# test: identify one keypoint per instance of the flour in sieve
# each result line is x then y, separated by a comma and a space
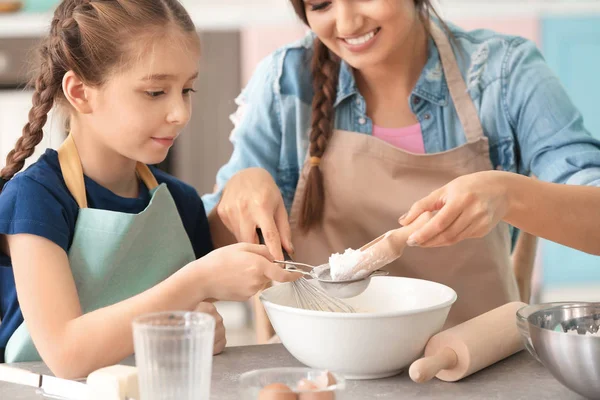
342, 265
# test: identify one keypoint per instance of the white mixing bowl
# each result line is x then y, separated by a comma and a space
396, 318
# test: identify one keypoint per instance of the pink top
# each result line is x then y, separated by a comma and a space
409, 138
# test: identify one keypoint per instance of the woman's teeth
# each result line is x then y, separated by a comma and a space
361, 39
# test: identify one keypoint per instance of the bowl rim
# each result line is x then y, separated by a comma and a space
547, 331
374, 315
549, 305
534, 326
340, 381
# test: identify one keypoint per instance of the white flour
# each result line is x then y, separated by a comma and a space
342, 265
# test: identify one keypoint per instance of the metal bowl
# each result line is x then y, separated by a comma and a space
566, 339
525, 312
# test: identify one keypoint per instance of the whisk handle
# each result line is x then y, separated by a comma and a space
286, 256
261, 240
293, 266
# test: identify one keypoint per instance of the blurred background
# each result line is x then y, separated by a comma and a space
237, 34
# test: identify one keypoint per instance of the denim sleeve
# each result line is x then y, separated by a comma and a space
553, 143
256, 135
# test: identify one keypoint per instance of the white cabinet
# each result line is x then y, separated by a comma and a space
14, 108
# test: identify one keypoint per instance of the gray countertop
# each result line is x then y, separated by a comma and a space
518, 377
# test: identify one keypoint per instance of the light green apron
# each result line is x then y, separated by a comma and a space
115, 255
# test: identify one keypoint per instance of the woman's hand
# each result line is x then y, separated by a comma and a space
220, 340
251, 200
468, 207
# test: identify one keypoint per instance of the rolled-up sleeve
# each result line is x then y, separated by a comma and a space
257, 131
553, 143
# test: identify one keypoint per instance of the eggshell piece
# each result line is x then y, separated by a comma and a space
325, 380
306, 385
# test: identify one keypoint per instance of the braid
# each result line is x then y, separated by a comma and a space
47, 86
325, 72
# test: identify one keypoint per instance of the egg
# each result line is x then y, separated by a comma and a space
322, 395
277, 391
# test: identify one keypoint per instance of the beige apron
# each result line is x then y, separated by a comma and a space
369, 184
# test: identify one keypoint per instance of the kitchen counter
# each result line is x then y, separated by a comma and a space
518, 377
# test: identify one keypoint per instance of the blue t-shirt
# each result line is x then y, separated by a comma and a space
37, 202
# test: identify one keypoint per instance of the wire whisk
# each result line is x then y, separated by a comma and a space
312, 297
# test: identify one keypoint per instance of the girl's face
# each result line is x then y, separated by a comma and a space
363, 33
139, 112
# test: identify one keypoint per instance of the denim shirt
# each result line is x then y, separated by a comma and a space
532, 125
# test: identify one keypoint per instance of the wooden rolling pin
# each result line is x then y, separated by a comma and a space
471, 346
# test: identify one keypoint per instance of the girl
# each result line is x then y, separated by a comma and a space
394, 106
92, 235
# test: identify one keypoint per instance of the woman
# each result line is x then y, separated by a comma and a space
398, 107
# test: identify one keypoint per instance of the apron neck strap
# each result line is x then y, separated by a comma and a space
467, 113
70, 165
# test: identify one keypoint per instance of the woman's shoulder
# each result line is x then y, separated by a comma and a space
485, 55
298, 51
286, 70
475, 41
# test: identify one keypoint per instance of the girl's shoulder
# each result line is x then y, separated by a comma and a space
37, 201
45, 172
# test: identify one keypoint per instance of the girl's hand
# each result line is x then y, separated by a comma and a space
468, 207
239, 271
220, 340
251, 200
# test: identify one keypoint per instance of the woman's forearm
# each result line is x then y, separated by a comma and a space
566, 214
